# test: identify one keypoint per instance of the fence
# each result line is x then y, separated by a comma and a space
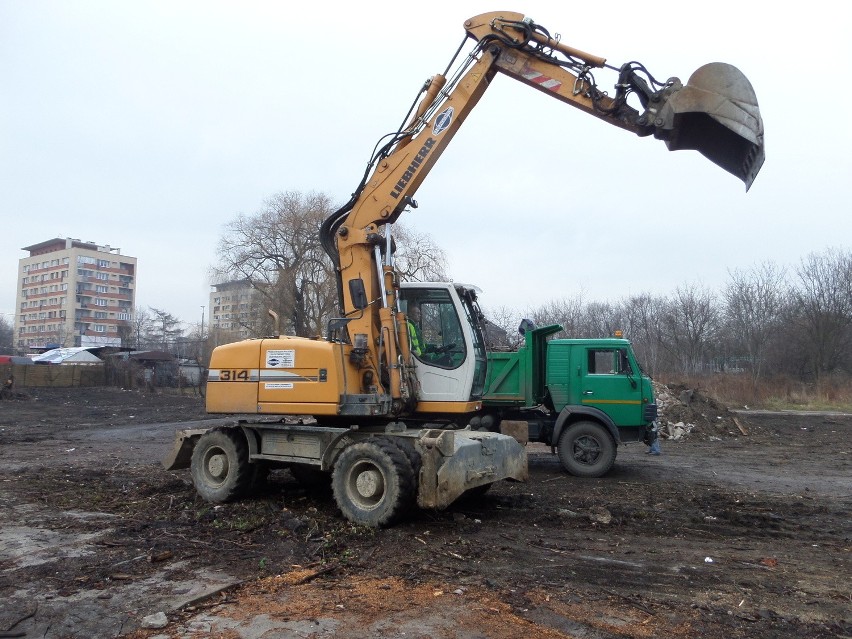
64, 375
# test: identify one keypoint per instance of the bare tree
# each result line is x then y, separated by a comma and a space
7, 334
821, 310
600, 319
690, 324
501, 332
418, 258
140, 327
754, 301
642, 326
163, 330
565, 311
278, 250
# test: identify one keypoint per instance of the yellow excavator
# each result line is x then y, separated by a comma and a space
390, 425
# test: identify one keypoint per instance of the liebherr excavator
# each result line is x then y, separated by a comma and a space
393, 429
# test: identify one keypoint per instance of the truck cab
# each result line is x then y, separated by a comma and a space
582, 397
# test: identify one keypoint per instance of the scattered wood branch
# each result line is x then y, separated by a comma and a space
317, 573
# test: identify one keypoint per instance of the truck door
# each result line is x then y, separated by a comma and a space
610, 384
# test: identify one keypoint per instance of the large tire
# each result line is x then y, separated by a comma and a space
586, 449
406, 445
373, 483
220, 465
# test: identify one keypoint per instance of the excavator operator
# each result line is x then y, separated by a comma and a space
415, 336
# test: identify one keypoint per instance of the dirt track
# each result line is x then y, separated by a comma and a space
747, 536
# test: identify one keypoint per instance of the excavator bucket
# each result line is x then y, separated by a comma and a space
716, 114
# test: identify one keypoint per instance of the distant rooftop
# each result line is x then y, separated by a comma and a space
60, 244
233, 284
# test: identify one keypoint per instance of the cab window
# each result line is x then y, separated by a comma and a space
439, 337
609, 361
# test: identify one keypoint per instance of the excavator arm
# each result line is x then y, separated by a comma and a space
715, 113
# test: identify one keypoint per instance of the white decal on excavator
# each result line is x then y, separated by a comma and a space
281, 358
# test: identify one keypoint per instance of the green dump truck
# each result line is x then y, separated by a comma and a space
582, 397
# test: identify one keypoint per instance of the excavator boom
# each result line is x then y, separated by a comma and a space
715, 113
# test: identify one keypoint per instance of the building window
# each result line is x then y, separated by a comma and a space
100, 302
100, 328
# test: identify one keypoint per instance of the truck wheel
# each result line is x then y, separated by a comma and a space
373, 483
220, 466
586, 449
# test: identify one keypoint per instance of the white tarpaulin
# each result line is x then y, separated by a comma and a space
76, 355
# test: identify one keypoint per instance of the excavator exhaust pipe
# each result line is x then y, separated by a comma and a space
716, 114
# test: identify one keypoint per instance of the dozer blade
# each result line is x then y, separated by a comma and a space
716, 114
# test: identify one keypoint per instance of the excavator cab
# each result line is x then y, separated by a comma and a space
446, 342
716, 114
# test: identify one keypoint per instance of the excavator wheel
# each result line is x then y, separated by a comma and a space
410, 451
373, 483
586, 449
220, 466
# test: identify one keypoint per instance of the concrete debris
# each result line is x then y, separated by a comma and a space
688, 412
156, 621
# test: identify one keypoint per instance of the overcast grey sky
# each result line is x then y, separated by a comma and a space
150, 125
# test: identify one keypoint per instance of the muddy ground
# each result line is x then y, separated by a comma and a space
725, 535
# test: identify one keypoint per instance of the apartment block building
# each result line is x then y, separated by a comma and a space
234, 310
74, 293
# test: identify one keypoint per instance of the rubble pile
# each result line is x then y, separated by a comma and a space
685, 411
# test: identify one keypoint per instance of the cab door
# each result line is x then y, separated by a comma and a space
610, 384
446, 362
